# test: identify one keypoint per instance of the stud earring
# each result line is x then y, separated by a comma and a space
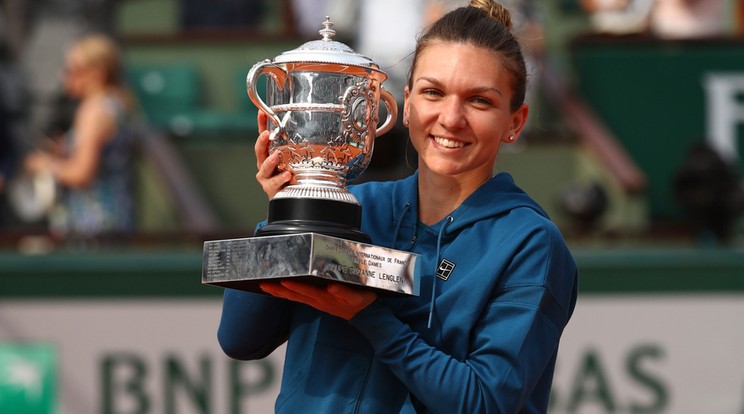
511, 138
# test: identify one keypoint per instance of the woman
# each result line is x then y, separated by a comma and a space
93, 165
498, 282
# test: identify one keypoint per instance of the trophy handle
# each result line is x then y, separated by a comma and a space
268, 68
392, 112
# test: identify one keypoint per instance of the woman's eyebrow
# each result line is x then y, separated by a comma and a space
475, 90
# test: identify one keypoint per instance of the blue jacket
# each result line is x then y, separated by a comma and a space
487, 343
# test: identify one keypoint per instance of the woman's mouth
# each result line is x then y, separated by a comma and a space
448, 143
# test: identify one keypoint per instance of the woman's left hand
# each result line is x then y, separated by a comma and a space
38, 162
336, 299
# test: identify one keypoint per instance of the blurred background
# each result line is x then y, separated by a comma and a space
634, 147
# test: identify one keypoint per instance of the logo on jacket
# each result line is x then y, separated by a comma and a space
445, 269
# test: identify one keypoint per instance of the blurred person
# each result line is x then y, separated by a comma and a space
483, 335
8, 160
7, 143
92, 163
618, 16
13, 100
7, 151
674, 19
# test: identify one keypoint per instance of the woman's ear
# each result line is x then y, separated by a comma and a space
406, 112
518, 121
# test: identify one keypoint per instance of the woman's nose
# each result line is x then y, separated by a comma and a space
452, 115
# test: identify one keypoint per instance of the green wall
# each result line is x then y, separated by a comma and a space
650, 94
178, 273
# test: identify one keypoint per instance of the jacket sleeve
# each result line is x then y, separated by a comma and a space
513, 346
252, 325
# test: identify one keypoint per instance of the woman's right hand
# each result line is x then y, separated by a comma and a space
270, 179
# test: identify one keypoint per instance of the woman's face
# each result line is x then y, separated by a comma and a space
78, 75
458, 109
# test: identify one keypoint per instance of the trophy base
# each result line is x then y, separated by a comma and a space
311, 215
243, 264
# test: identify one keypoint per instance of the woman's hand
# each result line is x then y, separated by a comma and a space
270, 179
336, 299
38, 162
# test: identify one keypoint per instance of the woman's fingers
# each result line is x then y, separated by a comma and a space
262, 142
262, 119
267, 176
262, 148
334, 299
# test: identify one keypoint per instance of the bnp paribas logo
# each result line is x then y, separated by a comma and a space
28, 374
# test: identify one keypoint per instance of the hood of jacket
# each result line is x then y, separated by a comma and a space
497, 196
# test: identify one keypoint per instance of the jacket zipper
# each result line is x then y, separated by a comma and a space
358, 405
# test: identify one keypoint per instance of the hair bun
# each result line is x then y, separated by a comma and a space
494, 10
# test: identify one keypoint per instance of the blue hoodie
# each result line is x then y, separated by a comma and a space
503, 285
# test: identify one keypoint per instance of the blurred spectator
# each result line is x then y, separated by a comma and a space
7, 151
92, 162
8, 155
710, 191
13, 102
687, 18
618, 16
221, 14
662, 18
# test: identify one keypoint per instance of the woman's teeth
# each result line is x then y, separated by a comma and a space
447, 143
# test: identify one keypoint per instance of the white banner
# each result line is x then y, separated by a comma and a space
142, 356
620, 354
679, 354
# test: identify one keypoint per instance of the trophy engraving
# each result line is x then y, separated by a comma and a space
322, 101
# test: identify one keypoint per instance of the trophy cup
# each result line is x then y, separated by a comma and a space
322, 101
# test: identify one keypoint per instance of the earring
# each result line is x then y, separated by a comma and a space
405, 122
511, 138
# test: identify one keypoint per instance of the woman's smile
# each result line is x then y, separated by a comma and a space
448, 143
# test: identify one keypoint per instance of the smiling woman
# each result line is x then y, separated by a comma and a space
458, 119
499, 282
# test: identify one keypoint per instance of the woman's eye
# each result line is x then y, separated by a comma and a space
431, 92
482, 101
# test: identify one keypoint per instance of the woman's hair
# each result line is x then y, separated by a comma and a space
100, 52
486, 24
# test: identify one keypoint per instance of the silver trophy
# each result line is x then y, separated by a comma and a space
323, 101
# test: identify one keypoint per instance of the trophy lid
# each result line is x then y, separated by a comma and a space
326, 50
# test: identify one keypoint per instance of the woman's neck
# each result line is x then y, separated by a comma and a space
94, 90
440, 195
